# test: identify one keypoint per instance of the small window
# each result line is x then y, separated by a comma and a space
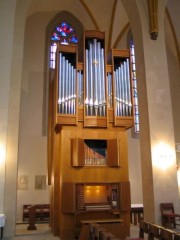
64, 34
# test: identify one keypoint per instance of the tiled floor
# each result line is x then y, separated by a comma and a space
43, 232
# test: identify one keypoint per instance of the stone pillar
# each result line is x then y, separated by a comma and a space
6, 32
12, 16
157, 144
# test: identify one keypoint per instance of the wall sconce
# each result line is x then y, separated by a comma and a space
163, 156
2, 153
178, 175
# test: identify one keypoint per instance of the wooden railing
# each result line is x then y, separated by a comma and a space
136, 213
96, 231
42, 212
154, 231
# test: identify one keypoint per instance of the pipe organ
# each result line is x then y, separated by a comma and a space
90, 108
96, 92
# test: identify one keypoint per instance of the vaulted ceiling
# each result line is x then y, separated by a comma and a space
105, 15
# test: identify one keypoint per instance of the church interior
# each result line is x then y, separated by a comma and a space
89, 126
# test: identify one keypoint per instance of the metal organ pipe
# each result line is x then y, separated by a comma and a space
87, 81
122, 89
60, 82
129, 90
90, 82
74, 91
125, 89
119, 91
109, 87
99, 82
95, 88
95, 67
63, 83
67, 86
95, 80
103, 82
80, 88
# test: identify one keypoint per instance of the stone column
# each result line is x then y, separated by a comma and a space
7, 15
159, 173
12, 16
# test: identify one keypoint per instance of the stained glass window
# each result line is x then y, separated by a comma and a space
134, 81
64, 34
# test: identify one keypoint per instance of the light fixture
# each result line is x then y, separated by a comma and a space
2, 153
178, 175
163, 156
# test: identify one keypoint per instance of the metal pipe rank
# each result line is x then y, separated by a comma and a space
122, 90
95, 100
66, 86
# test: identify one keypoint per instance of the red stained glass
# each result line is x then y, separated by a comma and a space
64, 34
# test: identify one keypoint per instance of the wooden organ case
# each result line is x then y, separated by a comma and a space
90, 109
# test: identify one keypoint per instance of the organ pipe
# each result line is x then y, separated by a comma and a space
66, 86
91, 88
109, 88
95, 100
80, 88
122, 86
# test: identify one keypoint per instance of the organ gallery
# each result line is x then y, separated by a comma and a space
91, 107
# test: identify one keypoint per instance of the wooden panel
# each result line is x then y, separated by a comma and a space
68, 197
124, 121
124, 53
66, 119
80, 66
120, 53
125, 199
77, 152
109, 68
93, 121
112, 152
86, 174
67, 48
80, 114
96, 194
94, 34
110, 114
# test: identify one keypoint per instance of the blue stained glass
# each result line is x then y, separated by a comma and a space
74, 39
55, 37
58, 29
67, 32
64, 28
64, 34
64, 41
136, 111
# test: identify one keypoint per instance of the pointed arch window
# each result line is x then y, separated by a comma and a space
134, 81
64, 34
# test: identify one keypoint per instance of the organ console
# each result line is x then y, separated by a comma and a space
97, 89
